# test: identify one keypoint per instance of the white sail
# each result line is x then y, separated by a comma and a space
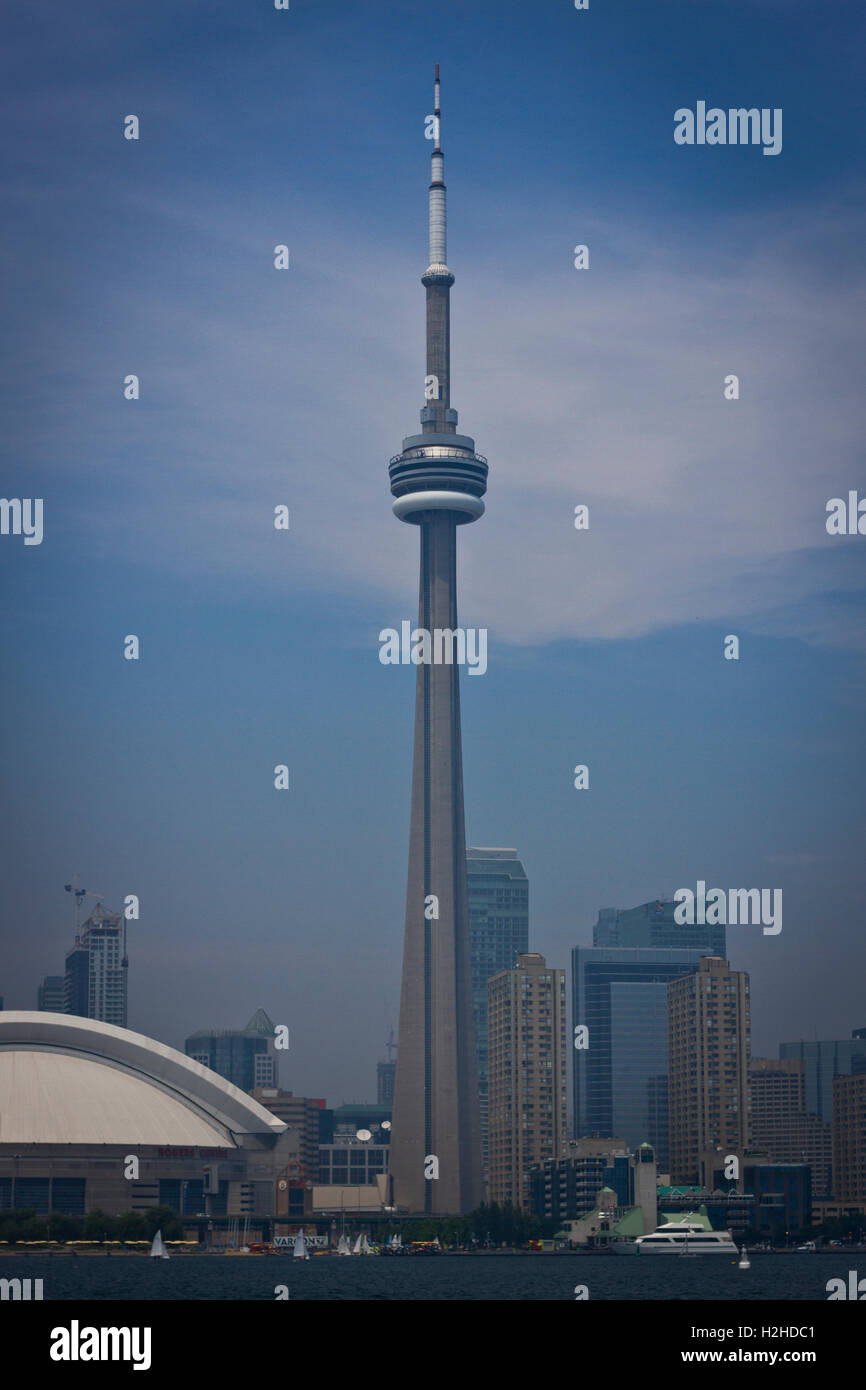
158, 1249
300, 1250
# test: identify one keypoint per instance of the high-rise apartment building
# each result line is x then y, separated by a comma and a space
782, 1126
709, 1045
849, 1138
95, 983
527, 1117
498, 934
247, 1057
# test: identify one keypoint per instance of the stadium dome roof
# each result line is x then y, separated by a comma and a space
68, 1080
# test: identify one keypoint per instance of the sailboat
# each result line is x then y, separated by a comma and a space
157, 1249
744, 1261
356, 1248
686, 1253
343, 1246
300, 1251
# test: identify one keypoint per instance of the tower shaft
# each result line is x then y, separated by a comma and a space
436, 1090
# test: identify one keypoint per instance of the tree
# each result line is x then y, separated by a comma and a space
98, 1226
131, 1226
62, 1227
163, 1219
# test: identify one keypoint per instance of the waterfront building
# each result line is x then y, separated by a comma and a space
709, 1043
202, 1146
528, 1097
781, 1124
849, 1139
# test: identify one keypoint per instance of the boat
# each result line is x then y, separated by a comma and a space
343, 1246
810, 1245
744, 1261
680, 1238
157, 1249
300, 1251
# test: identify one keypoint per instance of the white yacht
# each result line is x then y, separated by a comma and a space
679, 1237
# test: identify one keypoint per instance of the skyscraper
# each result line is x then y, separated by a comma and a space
385, 1074
528, 1114
96, 969
51, 995
437, 482
653, 924
498, 934
709, 1044
619, 993
246, 1057
823, 1061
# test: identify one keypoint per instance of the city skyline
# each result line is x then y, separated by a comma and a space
259, 648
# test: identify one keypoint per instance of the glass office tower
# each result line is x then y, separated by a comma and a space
498, 934
619, 992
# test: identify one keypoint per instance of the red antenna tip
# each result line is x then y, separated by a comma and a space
437, 72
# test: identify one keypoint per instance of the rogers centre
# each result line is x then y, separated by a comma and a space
79, 1099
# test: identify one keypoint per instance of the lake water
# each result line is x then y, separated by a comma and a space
454, 1278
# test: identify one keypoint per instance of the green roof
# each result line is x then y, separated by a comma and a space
631, 1224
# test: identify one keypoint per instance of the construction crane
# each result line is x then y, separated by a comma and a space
79, 894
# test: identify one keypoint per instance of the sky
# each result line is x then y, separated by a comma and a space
602, 387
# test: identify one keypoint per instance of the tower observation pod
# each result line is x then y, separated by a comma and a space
438, 469
437, 483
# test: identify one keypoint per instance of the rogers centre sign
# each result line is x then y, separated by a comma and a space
196, 1152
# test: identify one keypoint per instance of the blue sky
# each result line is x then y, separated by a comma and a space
258, 387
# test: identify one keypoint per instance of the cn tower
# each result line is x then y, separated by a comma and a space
437, 483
